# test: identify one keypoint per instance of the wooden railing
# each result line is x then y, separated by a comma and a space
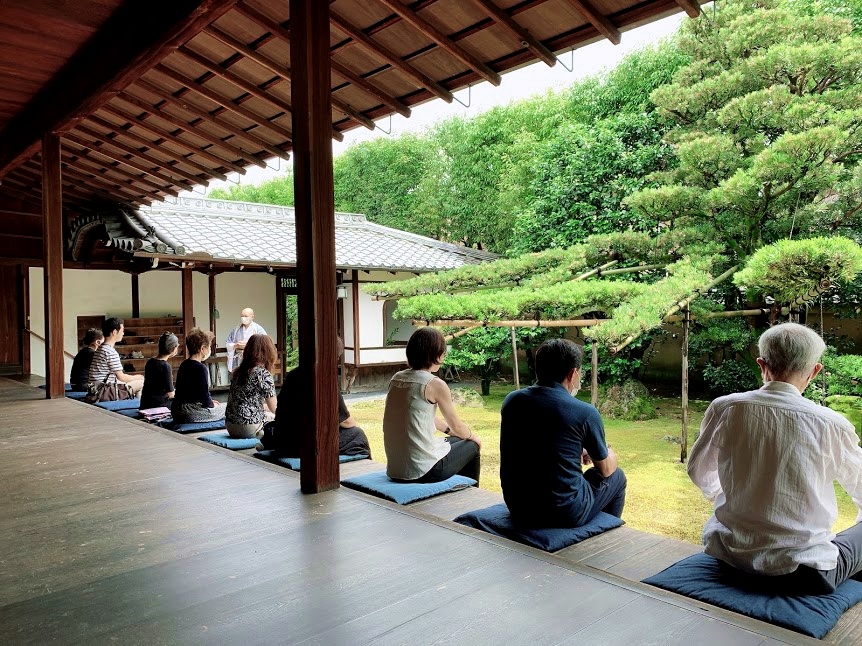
42, 339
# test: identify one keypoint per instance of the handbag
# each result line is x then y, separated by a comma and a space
108, 392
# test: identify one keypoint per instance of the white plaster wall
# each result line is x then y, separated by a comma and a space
385, 355
85, 293
235, 291
370, 323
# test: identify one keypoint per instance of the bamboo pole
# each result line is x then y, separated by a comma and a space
455, 335
598, 270
515, 359
469, 323
594, 375
682, 304
683, 439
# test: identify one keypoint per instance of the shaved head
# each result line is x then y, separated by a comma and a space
247, 312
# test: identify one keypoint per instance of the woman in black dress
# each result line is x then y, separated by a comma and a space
158, 374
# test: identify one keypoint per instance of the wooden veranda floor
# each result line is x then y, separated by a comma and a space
113, 531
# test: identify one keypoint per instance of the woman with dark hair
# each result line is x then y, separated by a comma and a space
413, 453
192, 401
252, 402
79, 376
158, 374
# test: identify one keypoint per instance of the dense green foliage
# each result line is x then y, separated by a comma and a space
278, 191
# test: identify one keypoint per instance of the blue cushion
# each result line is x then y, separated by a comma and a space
378, 484
226, 441
702, 577
121, 404
76, 394
496, 520
128, 412
191, 427
293, 463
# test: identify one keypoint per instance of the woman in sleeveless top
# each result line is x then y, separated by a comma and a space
413, 452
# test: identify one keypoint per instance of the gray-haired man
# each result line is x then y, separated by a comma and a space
768, 459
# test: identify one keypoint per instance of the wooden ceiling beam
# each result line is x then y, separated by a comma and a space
340, 69
107, 184
200, 133
71, 191
280, 32
139, 122
227, 103
390, 57
522, 35
691, 7
442, 40
597, 20
89, 164
202, 114
19, 194
99, 148
115, 131
133, 38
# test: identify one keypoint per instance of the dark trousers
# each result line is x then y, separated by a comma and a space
462, 459
609, 494
807, 580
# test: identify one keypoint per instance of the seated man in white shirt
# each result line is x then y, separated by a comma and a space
768, 459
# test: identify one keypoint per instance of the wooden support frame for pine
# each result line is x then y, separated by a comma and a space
683, 437
517, 377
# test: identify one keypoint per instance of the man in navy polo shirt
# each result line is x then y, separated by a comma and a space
546, 436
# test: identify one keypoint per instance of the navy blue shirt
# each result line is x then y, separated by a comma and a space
542, 434
193, 385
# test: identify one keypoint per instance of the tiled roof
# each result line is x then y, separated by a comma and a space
265, 234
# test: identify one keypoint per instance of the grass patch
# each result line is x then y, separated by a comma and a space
660, 498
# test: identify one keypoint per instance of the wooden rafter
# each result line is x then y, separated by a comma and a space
369, 88
107, 183
390, 57
203, 115
442, 40
135, 36
183, 125
691, 7
516, 30
280, 32
142, 123
597, 20
89, 164
94, 147
112, 139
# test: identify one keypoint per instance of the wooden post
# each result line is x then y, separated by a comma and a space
315, 242
515, 359
683, 438
136, 297
52, 254
355, 303
594, 375
24, 313
279, 323
188, 301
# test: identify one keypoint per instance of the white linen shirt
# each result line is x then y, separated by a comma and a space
768, 459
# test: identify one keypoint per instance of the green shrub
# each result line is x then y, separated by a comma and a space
850, 407
844, 374
729, 377
629, 401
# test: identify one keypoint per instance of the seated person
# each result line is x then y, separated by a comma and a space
192, 402
106, 366
546, 435
252, 402
283, 436
768, 459
158, 374
79, 377
413, 453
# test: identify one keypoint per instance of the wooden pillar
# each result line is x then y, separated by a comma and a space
212, 305
24, 314
52, 254
594, 375
683, 438
515, 359
136, 297
188, 301
315, 242
279, 324
355, 302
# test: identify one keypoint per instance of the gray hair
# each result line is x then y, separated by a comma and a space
790, 349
